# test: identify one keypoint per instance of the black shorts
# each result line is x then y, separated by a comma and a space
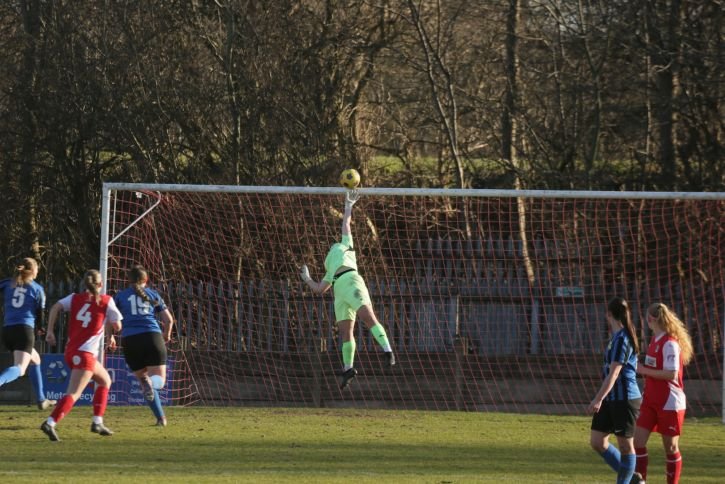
145, 349
19, 337
617, 417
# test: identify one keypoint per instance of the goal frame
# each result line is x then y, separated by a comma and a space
108, 187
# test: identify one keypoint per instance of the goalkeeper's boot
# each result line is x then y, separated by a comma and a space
390, 356
347, 376
100, 429
46, 404
161, 422
147, 389
50, 432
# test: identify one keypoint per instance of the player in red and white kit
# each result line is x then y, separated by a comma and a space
88, 312
664, 402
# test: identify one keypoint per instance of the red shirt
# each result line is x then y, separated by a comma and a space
85, 321
663, 353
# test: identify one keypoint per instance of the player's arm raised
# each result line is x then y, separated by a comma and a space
317, 287
351, 197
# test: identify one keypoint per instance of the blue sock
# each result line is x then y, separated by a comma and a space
157, 382
36, 379
626, 468
11, 373
611, 456
156, 405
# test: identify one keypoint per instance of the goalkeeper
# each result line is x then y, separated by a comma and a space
351, 295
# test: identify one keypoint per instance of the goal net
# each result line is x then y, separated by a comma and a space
492, 300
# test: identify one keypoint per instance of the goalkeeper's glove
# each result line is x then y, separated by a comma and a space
351, 197
305, 273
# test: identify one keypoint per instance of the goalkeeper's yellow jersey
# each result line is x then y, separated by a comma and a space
341, 254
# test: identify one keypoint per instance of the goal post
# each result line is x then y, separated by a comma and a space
492, 299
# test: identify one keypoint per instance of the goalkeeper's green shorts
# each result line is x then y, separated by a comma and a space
351, 293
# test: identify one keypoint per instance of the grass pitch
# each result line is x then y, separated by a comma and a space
277, 445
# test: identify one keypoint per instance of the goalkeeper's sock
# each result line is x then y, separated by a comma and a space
36, 380
348, 353
612, 457
381, 337
11, 373
155, 405
626, 468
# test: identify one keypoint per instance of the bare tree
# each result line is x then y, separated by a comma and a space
662, 31
30, 11
439, 77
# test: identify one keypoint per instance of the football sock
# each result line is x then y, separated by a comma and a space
36, 380
611, 456
157, 382
100, 400
9, 374
626, 468
381, 337
63, 408
673, 468
156, 405
642, 461
348, 353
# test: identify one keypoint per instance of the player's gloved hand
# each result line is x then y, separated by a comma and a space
305, 273
351, 197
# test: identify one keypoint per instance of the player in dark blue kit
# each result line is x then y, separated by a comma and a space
24, 299
143, 338
616, 404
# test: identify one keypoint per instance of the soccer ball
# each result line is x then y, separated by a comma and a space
350, 178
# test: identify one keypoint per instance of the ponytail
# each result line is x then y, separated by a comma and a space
25, 271
619, 309
92, 281
138, 276
139, 290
